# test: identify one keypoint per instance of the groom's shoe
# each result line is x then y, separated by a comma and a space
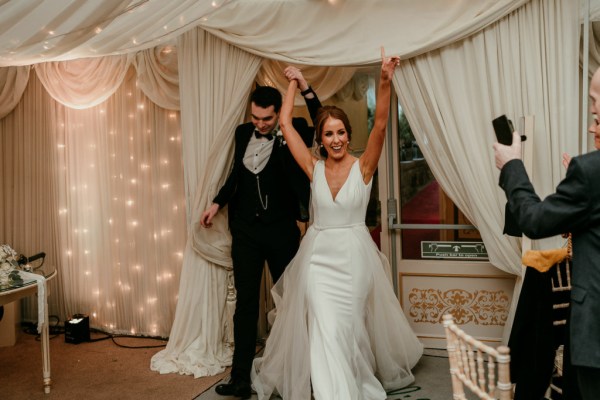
235, 388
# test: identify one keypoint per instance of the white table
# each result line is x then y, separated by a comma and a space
13, 294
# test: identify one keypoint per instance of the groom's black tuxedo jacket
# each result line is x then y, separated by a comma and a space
280, 192
575, 208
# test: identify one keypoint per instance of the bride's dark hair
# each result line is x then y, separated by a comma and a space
322, 115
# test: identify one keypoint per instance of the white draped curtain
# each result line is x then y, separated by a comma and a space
454, 131
95, 180
113, 191
13, 81
215, 80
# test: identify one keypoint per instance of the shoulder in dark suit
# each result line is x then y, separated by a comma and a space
298, 181
569, 209
575, 208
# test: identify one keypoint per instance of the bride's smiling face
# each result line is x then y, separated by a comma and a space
334, 138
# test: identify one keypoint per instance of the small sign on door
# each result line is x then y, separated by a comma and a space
460, 250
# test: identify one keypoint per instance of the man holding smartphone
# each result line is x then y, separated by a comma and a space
575, 208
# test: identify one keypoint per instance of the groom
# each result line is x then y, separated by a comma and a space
266, 192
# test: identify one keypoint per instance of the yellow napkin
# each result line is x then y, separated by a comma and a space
543, 260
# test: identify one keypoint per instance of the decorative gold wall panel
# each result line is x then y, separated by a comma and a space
481, 307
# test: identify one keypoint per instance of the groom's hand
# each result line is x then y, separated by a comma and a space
207, 216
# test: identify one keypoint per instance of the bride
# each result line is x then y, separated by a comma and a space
339, 327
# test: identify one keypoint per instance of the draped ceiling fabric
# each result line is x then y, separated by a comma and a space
351, 32
158, 75
36, 31
103, 75
446, 47
13, 82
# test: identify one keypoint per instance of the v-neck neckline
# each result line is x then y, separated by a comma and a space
334, 198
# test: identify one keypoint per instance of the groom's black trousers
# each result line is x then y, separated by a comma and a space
253, 244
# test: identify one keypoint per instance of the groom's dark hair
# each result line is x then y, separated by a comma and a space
266, 96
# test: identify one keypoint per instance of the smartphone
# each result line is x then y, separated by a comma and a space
504, 130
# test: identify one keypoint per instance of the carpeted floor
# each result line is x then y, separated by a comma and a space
103, 370
93, 371
424, 207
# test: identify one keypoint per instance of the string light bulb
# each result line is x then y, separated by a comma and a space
141, 163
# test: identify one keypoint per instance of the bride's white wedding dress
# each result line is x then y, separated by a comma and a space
339, 327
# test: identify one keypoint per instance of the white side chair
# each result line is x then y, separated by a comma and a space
481, 368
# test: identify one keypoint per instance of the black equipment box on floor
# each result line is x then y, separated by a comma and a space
77, 329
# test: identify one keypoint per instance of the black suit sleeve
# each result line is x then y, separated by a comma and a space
511, 226
227, 191
307, 133
313, 106
567, 210
297, 179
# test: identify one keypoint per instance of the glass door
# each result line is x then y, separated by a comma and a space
438, 259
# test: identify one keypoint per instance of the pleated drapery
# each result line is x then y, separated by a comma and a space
95, 180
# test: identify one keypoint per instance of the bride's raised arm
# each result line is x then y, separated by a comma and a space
295, 143
370, 158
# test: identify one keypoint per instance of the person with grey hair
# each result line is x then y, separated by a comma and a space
574, 207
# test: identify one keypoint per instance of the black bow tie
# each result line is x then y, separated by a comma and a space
259, 135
